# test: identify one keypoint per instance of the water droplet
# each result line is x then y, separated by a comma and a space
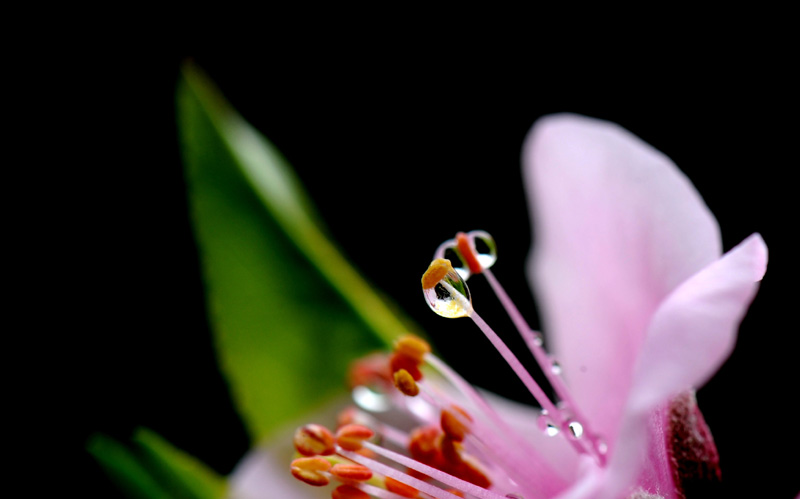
450, 296
544, 423
537, 339
448, 251
370, 400
575, 430
555, 368
485, 248
602, 446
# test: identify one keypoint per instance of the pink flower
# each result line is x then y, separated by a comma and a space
639, 306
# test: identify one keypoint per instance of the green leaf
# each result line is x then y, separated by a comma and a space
179, 470
288, 311
125, 468
155, 469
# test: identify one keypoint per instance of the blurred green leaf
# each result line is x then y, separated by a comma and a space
288, 311
154, 468
125, 468
177, 470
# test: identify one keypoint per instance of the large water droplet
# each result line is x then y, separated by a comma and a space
370, 400
450, 296
485, 248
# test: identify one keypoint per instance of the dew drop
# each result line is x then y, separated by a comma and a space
537, 339
555, 368
602, 446
370, 400
485, 248
448, 251
450, 297
575, 430
544, 423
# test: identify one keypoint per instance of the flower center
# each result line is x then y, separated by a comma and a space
448, 451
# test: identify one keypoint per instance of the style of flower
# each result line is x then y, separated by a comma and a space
640, 307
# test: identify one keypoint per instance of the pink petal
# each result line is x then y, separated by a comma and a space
617, 227
694, 330
691, 334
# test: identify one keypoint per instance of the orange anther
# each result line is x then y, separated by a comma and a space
466, 252
451, 451
308, 470
313, 439
472, 473
401, 361
348, 492
412, 346
372, 369
454, 422
351, 472
436, 272
350, 437
405, 383
400, 488
456, 492
422, 445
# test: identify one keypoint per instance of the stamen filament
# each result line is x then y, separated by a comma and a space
441, 476
524, 376
543, 359
379, 492
386, 470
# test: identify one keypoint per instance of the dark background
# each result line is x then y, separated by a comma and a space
399, 149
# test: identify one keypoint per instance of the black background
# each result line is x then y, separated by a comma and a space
400, 147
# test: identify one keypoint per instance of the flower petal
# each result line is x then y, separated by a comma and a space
694, 330
617, 227
691, 334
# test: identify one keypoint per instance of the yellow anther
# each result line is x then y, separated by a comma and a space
436, 272
313, 439
350, 437
351, 472
405, 383
309, 470
412, 346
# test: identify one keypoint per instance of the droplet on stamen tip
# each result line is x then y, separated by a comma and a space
445, 291
485, 247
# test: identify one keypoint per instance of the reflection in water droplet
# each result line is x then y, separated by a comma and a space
370, 400
450, 296
575, 430
555, 368
485, 247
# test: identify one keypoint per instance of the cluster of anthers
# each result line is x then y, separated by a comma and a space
450, 452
